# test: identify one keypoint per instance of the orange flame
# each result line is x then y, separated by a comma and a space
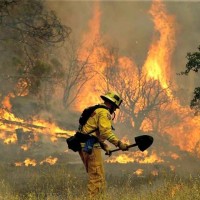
91, 51
50, 160
156, 66
186, 133
24, 147
158, 62
30, 162
139, 157
138, 172
9, 124
155, 172
6, 102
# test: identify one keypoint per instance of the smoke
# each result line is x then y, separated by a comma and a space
129, 26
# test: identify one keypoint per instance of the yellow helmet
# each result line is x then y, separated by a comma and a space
112, 97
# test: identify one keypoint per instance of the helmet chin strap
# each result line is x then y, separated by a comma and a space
113, 116
112, 112
112, 109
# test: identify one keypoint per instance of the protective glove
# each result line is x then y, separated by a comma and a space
122, 146
106, 148
108, 152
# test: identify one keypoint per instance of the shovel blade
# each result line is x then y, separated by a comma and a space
143, 142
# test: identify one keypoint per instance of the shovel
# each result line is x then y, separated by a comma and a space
143, 142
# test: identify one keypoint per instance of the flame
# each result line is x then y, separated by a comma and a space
90, 51
7, 131
10, 123
25, 147
9, 140
155, 172
158, 62
156, 66
138, 172
18, 164
50, 160
30, 162
175, 156
51, 128
153, 158
6, 101
188, 130
139, 157
123, 158
93, 50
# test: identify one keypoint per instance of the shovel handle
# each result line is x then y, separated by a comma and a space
129, 146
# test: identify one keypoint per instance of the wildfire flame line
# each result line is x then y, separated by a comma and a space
157, 66
32, 162
10, 123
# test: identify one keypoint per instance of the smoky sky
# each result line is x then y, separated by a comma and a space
130, 27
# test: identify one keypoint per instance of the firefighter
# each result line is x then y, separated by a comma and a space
101, 119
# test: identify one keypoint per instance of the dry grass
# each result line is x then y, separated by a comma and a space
61, 182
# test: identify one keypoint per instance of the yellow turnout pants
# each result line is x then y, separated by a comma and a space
94, 167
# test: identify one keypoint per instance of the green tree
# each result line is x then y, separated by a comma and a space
193, 64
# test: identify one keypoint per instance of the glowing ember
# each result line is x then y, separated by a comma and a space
24, 147
138, 172
175, 156
18, 164
154, 172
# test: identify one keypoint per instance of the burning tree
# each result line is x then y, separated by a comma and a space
143, 98
78, 70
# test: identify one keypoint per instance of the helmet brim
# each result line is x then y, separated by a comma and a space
109, 100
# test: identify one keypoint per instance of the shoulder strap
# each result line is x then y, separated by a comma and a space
92, 131
100, 106
96, 106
